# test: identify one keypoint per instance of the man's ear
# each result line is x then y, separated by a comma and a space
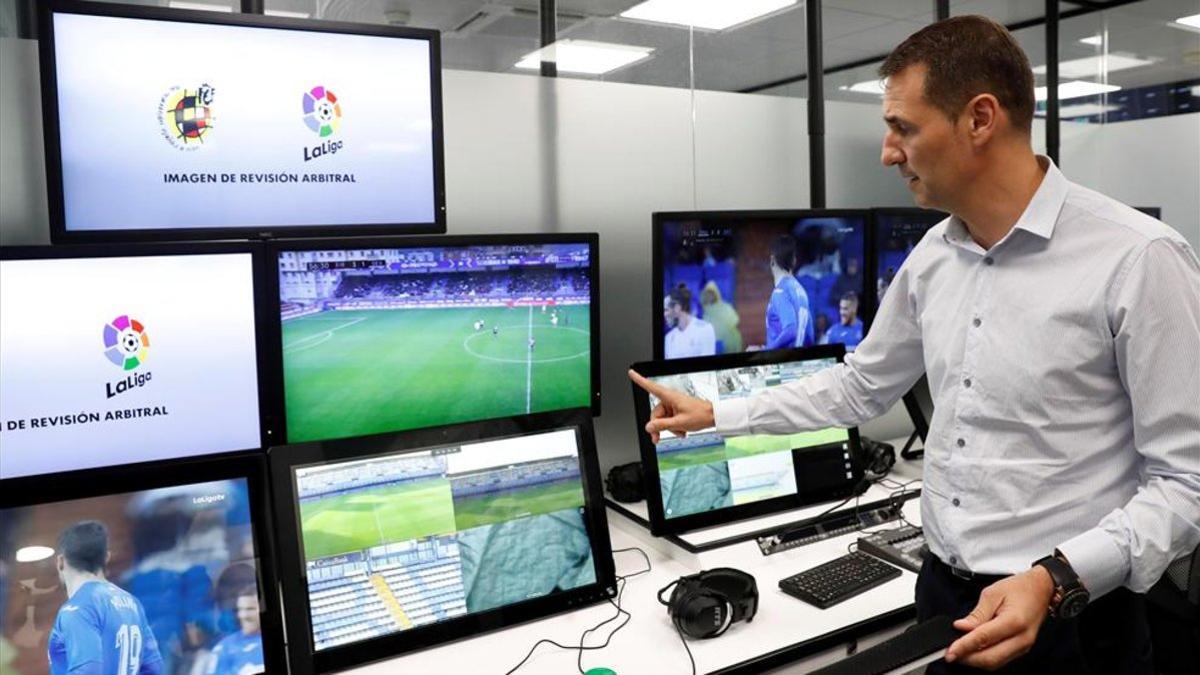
982, 117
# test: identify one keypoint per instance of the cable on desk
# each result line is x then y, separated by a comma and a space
622, 581
686, 647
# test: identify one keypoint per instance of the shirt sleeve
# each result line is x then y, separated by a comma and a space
80, 632
1154, 316
781, 306
885, 365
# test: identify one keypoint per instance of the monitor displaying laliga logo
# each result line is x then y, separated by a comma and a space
126, 342
186, 116
322, 114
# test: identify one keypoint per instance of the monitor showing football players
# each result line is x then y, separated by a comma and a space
897, 233
160, 581
125, 359
400, 541
188, 122
387, 339
739, 281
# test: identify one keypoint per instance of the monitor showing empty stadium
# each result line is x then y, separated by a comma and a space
428, 541
726, 282
706, 478
107, 576
897, 233
401, 334
169, 124
128, 355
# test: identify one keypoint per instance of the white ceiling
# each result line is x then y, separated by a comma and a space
492, 35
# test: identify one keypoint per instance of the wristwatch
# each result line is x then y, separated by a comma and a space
1070, 597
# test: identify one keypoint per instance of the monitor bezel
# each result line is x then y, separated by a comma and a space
660, 525
31, 491
873, 247
285, 460
659, 219
60, 234
274, 325
266, 395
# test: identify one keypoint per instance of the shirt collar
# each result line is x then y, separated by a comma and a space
1040, 215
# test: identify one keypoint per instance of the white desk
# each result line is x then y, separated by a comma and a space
785, 629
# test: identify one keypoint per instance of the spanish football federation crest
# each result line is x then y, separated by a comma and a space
186, 116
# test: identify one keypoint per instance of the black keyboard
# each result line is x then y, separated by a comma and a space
826, 585
919, 641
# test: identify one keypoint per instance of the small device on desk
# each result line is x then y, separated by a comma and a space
840, 579
834, 525
903, 546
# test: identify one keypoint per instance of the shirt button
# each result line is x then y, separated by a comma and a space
976, 323
967, 383
955, 501
961, 443
988, 261
953, 560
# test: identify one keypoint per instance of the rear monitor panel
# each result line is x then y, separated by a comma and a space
387, 335
408, 540
188, 585
126, 354
722, 259
705, 478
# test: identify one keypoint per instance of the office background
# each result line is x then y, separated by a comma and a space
707, 120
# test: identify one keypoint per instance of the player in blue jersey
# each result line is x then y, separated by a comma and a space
241, 653
849, 329
789, 322
101, 629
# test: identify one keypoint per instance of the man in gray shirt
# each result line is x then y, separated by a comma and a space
1060, 331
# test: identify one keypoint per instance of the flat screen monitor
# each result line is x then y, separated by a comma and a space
126, 354
897, 232
705, 478
387, 335
163, 569
407, 540
733, 281
170, 124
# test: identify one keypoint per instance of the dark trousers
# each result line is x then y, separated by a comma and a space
1110, 636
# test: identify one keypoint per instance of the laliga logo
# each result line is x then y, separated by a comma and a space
322, 114
186, 117
126, 346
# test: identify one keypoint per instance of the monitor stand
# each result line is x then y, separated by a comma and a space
908, 452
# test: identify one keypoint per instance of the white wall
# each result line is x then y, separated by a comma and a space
1151, 162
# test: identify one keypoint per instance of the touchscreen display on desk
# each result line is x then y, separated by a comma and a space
705, 478
705, 471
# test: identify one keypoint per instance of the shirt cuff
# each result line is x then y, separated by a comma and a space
1098, 561
732, 417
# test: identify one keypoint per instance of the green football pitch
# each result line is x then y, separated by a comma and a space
705, 454
359, 520
351, 373
746, 446
498, 507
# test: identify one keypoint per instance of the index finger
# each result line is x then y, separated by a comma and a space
656, 389
990, 633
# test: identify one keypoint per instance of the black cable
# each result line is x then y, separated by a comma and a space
685, 646
622, 581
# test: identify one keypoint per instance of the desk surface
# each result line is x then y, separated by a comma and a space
649, 643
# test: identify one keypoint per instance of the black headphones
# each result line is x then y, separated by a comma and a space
706, 604
624, 483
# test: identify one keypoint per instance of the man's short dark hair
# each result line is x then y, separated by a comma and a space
85, 546
965, 56
681, 295
851, 296
783, 252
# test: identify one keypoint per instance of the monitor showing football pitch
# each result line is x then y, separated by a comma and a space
446, 532
706, 478
402, 334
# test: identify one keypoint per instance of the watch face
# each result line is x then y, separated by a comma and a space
1072, 605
